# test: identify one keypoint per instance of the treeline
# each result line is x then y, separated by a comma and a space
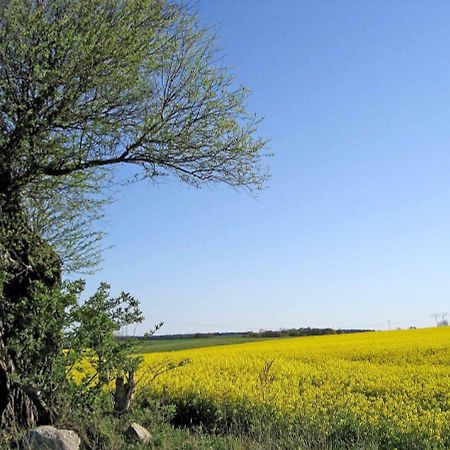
303, 332
191, 335
290, 332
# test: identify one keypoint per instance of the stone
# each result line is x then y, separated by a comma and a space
139, 432
50, 438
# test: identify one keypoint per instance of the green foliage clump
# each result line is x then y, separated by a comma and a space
90, 356
92, 347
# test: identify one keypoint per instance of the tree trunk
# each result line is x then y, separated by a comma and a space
24, 260
124, 392
17, 409
20, 407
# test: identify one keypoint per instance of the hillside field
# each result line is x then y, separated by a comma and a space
375, 390
170, 345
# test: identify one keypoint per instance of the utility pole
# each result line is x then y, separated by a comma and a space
440, 318
436, 317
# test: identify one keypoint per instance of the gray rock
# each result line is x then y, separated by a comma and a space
50, 438
139, 432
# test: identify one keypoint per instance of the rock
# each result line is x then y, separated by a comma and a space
139, 432
50, 438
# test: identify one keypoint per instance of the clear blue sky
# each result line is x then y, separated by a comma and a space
354, 227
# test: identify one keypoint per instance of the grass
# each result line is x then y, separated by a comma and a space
168, 438
172, 345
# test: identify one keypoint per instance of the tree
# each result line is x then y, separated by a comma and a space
87, 86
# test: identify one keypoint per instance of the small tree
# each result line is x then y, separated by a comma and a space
86, 86
93, 358
93, 349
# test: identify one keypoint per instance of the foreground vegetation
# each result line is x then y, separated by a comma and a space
381, 390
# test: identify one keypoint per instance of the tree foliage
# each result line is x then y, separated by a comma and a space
87, 84
92, 349
90, 358
66, 214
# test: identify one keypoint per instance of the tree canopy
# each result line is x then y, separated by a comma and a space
86, 85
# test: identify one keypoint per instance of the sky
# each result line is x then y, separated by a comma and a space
353, 228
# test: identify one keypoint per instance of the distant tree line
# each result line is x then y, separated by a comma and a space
303, 332
290, 332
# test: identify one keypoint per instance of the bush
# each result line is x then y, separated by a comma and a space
85, 357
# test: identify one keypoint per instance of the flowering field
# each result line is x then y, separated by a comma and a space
391, 389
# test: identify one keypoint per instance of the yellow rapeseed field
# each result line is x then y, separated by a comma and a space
389, 388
